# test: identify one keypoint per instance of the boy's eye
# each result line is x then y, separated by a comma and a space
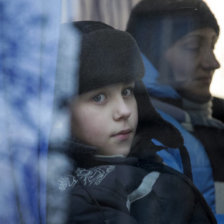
100, 98
127, 92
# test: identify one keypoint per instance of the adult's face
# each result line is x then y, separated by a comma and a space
193, 62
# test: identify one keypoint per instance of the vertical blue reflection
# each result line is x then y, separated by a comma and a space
29, 33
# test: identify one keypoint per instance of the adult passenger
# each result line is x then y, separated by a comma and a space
177, 39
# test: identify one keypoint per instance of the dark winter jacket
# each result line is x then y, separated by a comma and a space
218, 108
129, 190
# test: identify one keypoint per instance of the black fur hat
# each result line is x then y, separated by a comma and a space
157, 24
108, 56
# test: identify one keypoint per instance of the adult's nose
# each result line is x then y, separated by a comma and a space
210, 61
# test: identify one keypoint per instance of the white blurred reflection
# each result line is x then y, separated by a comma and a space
217, 86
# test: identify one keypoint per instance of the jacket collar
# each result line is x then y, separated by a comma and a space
86, 156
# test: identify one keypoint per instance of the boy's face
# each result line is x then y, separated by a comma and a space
106, 118
193, 63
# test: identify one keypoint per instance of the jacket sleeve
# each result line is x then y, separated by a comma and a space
171, 200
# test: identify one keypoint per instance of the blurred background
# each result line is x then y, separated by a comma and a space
116, 13
217, 87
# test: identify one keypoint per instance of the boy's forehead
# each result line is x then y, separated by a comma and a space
111, 87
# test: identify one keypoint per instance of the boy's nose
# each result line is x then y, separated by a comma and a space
210, 61
122, 111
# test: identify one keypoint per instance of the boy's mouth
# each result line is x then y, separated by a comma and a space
123, 134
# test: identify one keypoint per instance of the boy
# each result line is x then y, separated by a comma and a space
117, 177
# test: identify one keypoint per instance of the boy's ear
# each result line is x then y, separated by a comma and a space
151, 125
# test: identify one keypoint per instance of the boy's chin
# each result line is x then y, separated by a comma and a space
116, 151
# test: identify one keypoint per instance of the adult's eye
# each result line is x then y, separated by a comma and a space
194, 47
100, 98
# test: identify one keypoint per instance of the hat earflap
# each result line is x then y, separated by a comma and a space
152, 126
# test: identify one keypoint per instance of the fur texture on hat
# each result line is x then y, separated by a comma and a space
108, 56
157, 24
